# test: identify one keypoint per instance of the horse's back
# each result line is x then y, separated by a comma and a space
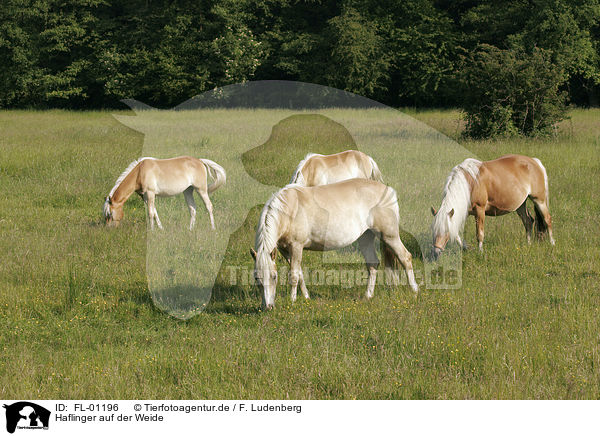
171, 176
509, 180
172, 165
517, 168
327, 169
348, 194
336, 215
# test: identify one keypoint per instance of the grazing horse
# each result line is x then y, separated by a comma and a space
324, 218
492, 188
318, 169
150, 177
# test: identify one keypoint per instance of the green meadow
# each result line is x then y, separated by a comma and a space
78, 301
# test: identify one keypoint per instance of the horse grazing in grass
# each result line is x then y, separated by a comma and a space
324, 218
318, 169
150, 177
492, 188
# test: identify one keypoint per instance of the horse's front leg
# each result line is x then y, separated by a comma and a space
479, 223
301, 281
462, 243
303, 286
296, 271
146, 198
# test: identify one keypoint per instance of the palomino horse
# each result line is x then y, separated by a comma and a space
318, 169
493, 188
324, 218
150, 177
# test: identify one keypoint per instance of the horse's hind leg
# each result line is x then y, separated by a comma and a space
543, 221
527, 219
150, 214
366, 245
404, 257
189, 199
204, 195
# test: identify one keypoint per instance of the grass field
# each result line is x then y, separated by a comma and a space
78, 319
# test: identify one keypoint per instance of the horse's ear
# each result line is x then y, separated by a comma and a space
253, 253
274, 254
451, 213
433, 211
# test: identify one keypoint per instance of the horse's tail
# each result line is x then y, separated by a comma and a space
540, 223
375, 172
217, 172
391, 263
539, 162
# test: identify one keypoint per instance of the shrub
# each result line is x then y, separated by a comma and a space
509, 92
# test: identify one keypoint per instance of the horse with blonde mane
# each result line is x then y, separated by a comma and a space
328, 217
492, 188
319, 169
150, 177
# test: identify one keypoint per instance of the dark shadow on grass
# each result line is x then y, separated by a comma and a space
181, 301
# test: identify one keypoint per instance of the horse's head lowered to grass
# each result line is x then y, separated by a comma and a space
265, 275
113, 213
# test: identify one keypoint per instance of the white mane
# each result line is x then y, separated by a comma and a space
298, 177
124, 174
268, 225
457, 196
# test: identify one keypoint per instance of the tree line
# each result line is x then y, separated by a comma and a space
93, 53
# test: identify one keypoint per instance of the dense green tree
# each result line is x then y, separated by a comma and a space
92, 53
358, 60
508, 92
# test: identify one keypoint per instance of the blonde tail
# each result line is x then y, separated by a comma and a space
217, 172
375, 173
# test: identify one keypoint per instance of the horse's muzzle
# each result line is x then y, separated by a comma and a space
435, 252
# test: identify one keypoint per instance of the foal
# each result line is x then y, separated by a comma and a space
150, 177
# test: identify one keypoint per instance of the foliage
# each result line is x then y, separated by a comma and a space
358, 60
92, 53
510, 92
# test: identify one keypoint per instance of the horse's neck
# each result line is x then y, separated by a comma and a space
127, 187
270, 236
275, 224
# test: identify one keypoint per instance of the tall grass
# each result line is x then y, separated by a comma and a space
78, 321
